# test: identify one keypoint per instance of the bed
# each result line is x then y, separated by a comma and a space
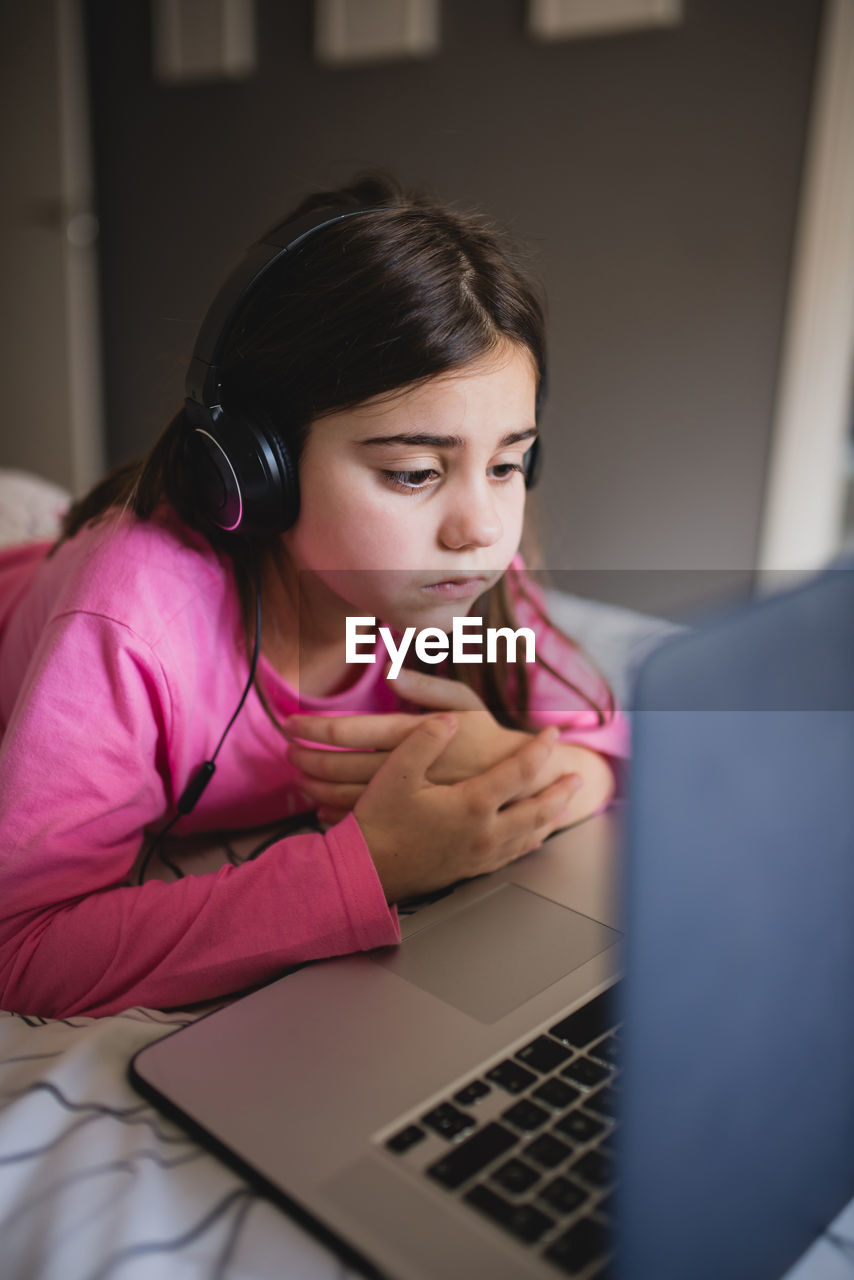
95, 1183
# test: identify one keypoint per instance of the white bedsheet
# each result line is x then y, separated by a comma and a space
95, 1183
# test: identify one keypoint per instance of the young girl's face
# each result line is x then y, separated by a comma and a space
412, 505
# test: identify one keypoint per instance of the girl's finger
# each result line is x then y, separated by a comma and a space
408, 765
383, 732
529, 821
333, 795
435, 691
336, 766
512, 777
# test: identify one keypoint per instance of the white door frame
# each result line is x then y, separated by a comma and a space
807, 468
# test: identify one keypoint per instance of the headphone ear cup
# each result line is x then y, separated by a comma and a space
215, 486
244, 478
284, 501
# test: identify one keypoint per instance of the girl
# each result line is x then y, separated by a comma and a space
356, 443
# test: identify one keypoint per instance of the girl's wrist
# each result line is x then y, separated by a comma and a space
598, 782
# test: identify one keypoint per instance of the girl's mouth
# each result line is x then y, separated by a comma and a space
457, 588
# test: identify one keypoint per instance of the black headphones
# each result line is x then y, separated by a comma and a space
245, 478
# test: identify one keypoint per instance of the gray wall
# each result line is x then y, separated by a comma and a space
48, 333
30, 255
655, 177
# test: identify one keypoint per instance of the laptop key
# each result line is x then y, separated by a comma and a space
523, 1220
447, 1121
596, 1168
547, 1151
407, 1138
515, 1176
579, 1126
511, 1076
472, 1093
605, 1207
526, 1116
603, 1102
564, 1195
608, 1050
543, 1054
473, 1154
579, 1246
586, 1072
556, 1094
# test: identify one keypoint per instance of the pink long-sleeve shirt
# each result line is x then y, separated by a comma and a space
122, 658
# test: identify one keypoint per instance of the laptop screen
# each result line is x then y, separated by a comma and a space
737, 1137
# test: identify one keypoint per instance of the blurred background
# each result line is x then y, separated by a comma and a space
681, 174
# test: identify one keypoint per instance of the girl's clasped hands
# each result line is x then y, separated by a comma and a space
446, 795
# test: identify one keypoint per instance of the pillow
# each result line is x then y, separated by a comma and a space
30, 508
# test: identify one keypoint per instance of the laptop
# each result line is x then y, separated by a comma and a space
630, 1054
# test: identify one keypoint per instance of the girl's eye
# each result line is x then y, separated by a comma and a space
410, 481
506, 470
418, 481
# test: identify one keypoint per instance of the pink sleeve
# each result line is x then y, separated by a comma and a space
78, 784
17, 564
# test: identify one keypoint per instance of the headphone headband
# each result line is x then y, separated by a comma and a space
202, 383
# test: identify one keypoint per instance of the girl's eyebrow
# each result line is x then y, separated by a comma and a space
429, 441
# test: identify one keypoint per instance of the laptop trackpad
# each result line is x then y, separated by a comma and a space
489, 958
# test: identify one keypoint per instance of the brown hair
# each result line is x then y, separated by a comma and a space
365, 307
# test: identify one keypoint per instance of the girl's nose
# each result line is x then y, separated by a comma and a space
471, 519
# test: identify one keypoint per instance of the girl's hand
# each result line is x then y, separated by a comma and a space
336, 779
481, 742
423, 836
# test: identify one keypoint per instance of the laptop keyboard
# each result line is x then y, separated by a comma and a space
527, 1141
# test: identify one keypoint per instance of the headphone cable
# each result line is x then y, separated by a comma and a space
195, 788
